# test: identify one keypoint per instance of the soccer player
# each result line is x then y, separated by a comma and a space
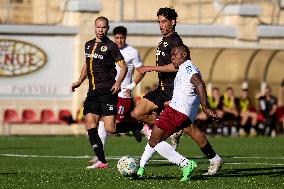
154, 100
102, 56
189, 92
125, 101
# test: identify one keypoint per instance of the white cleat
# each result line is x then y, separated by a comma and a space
214, 167
175, 138
98, 165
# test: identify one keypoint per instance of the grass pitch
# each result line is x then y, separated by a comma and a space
60, 162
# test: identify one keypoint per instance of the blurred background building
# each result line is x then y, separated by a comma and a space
238, 43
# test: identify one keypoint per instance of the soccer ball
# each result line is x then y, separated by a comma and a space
127, 165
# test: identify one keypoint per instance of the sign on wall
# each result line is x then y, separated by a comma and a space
36, 66
19, 57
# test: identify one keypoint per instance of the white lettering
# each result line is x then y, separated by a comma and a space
34, 90
94, 56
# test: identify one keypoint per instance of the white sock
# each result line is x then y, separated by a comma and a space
102, 132
147, 154
215, 158
168, 152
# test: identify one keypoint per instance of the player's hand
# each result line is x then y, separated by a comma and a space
115, 88
127, 93
211, 114
144, 69
75, 85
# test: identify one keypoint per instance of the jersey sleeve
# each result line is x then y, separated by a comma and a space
190, 70
116, 53
137, 62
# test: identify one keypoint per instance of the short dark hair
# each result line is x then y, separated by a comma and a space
120, 30
168, 13
229, 88
185, 49
215, 88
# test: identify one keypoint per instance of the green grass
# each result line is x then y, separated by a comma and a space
53, 172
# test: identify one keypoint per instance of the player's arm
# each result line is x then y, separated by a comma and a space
82, 78
166, 68
200, 89
138, 75
123, 70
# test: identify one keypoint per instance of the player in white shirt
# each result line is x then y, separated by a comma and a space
125, 101
189, 92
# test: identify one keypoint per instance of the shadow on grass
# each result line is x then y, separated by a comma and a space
249, 172
13, 173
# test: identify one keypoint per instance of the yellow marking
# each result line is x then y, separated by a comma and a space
91, 66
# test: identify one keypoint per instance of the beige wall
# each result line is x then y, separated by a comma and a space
229, 69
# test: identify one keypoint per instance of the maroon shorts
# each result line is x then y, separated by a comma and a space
172, 120
124, 106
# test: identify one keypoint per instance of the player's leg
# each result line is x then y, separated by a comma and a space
92, 122
244, 118
102, 132
124, 123
167, 151
199, 137
143, 111
103, 135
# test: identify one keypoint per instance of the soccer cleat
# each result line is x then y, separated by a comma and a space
214, 167
98, 165
140, 172
175, 138
188, 170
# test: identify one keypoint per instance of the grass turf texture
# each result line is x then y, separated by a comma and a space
249, 163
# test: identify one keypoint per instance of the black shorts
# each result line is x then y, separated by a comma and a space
159, 97
100, 102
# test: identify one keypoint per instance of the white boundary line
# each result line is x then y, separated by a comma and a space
117, 157
156, 160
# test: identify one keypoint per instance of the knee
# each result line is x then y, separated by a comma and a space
110, 129
135, 114
188, 130
152, 143
90, 124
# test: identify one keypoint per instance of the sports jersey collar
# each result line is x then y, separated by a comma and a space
184, 64
105, 39
174, 33
124, 47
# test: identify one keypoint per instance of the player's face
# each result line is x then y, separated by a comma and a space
244, 94
230, 92
120, 40
177, 57
166, 26
101, 28
215, 93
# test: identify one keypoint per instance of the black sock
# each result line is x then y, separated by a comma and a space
208, 151
125, 126
96, 144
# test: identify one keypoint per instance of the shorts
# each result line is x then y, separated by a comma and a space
100, 102
159, 97
172, 120
124, 106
